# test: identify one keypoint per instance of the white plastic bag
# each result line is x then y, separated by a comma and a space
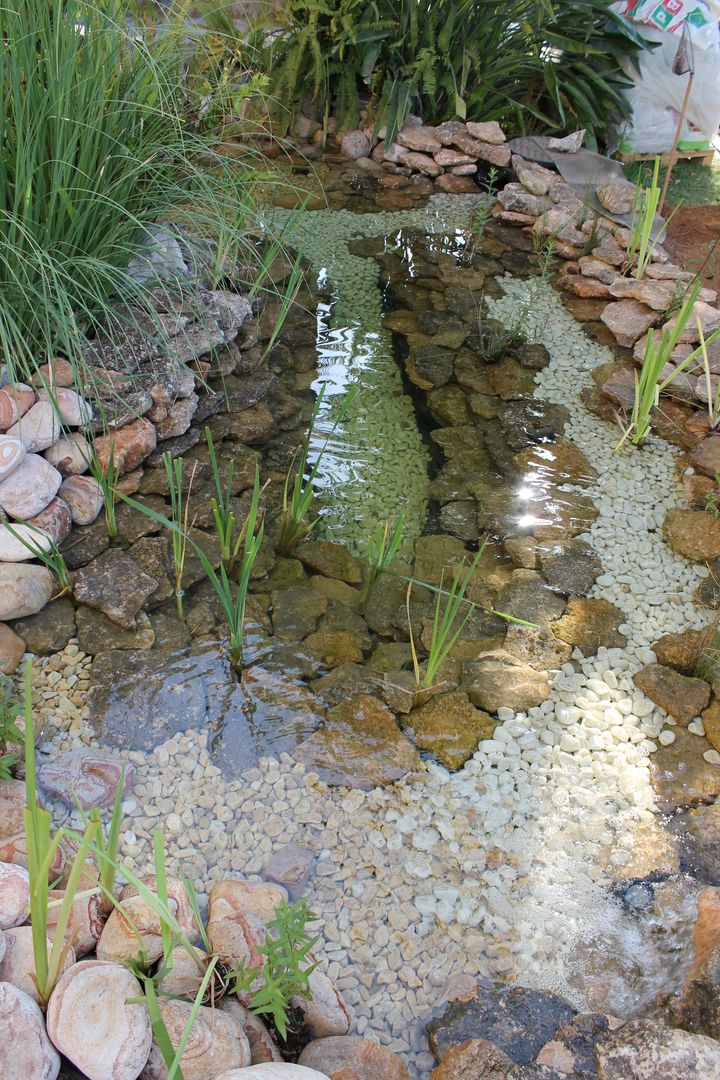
657, 94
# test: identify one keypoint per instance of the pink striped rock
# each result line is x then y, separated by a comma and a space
14, 895
15, 400
12, 453
70, 454
18, 963
105, 1042
273, 1070
84, 497
24, 590
29, 488
55, 520
18, 543
59, 372
87, 919
216, 1043
90, 776
38, 428
325, 1013
128, 446
26, 1053
73, 409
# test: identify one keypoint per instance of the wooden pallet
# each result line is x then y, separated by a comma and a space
705, 157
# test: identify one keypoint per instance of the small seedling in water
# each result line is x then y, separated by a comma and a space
383, 547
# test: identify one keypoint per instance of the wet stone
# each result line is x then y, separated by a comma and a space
527, 597
360, 746
572, 1047
97, 633
539, 648
590, 624
175, 690
647, 1050
296, 611
335, 647
699, 833
679, 695
569, 567
346, 680
460, 519
499, 679
518, 1021
116, 585
50, 630
291, 867
433, 364
449, 727
331, 560
90, 776
680, 775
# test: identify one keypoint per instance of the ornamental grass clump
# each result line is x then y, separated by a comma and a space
104, 136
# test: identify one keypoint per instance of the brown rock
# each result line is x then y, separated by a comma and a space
70, 454
359, 746
693, 533
55, 520
593, 267
628, 320
324, 1012
456, 184
128, 446
449, 158
647, 1050
699, 1007
499, 679
333, 648
12, 648
679, 651
449, 727
237, 916
353, 1058
488, 131
681, 776
582, 286
59, 372
422, 139
18, 964
331, 560
88, 775
709, 318
476, 1059
115, 584
572, 1048
516, 199
422, 163
658, 295
711, 723
590, 624
706, 455
680, 696
533, 177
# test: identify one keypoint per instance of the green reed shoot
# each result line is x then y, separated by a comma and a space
42, 849
713, 398
445, 629
10, 733
642, 243
107, 480
52, 559
295, 524
221, 505
649, 384
382, 550
179, 510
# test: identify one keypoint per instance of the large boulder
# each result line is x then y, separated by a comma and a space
216, 1043
26, 1053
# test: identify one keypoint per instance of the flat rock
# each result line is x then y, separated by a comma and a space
590, 624
533, 177
476, 1059
449, 727
488, 131
176, 689
360, 746
679, 695
628, 320
49, 631
296, 611
24, 589
97, 633
128, 446
331, 560
115, 584
706, 455
518, 1021
333, 648
681, 650
572, 1047
290, 867
29, 488
680, 775
517, 200
693, 533
528, 597
699, 831
499, 679
422, 163
419, 138
351, 1057
536, 646
647, 1050
570, 566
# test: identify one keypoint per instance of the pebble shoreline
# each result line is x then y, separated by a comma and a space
501, 869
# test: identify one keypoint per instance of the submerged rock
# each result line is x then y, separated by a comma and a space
499, 680
331, 560
360, 745
572, 1047
681, 776
449, 727
89, 775
647, 1050
518, 1021
591, 624
115, 584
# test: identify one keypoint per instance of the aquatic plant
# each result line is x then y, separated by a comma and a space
649, 384
179, 511
286, 970
107, 479
543, 65
445, 627
42, 850
382, 549
221, 506
644, 239
295, 522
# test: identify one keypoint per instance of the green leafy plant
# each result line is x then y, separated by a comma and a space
649, 384
286, 970
10, 733
295, 523
534, 65
382, 550
179, 510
